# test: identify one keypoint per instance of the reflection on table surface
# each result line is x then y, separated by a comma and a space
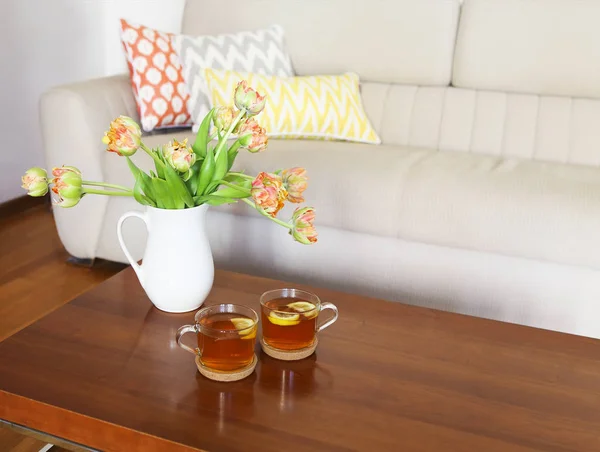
291, 380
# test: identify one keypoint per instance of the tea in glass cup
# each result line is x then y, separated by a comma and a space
226, 336
289, 318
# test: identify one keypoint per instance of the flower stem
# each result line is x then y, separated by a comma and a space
91, 191
102, 184
262, 212
237, 187
245, 176
235, 146
223, 140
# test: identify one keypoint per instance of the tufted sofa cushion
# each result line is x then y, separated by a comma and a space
529, 209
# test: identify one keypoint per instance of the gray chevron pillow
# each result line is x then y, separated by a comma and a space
260, 51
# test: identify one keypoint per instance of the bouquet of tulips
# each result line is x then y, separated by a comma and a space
186, 177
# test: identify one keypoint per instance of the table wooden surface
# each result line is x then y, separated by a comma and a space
104, 371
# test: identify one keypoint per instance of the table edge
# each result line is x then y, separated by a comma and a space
80, 428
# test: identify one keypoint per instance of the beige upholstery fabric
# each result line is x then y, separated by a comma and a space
530, 46
401, 41
544, 128
485, 203
74, 118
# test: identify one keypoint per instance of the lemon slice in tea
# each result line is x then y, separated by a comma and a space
308, 309
301, 306
284, 318
244, 327
248, 334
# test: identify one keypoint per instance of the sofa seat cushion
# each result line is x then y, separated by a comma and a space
536, 210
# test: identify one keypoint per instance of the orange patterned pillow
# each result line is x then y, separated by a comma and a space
156, 77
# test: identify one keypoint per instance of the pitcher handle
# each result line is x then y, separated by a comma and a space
332, 319
134, 264
180, 332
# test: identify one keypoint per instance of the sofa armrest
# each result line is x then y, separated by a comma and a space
73, 119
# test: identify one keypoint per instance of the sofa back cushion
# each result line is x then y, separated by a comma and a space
530, 46
526, 84
393, 41
527, 126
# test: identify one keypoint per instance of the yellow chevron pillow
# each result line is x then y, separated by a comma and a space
322, 106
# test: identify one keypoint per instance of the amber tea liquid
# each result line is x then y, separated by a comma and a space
226, 341
289, 323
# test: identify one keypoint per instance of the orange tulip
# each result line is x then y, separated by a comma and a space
124, 136
295, 182
303, 229
248, 100
268, 193
35, 181
252, 136
67, 185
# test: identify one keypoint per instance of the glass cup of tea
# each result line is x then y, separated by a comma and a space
289, 318
226, 335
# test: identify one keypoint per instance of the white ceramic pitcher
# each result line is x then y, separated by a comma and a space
177, 270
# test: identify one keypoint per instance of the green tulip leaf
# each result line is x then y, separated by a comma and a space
192, 182
213, 200
179, 191
163, 195
212, 187
231, 155
240, 180
133, 168
231, 192
159, 170
141, 178
221, 168
159, 162
200, 145
139, 195
149, 201
206, 172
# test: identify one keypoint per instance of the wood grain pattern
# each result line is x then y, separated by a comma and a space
82, 429
34, 276
29, 440
385, 377
21, 204
35, 279
14, 442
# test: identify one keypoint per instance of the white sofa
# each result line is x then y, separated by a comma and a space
484, 197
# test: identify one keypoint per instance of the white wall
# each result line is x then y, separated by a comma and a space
45, 43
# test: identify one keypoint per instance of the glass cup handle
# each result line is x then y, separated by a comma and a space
331, 320
180, 332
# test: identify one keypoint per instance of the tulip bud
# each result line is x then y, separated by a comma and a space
67, 185
268, 193
248, 100
179, 156
223, 118
124, 136
35, 181
303, 229
295, 182
252, 136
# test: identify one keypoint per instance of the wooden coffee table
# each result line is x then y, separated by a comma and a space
104, 372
